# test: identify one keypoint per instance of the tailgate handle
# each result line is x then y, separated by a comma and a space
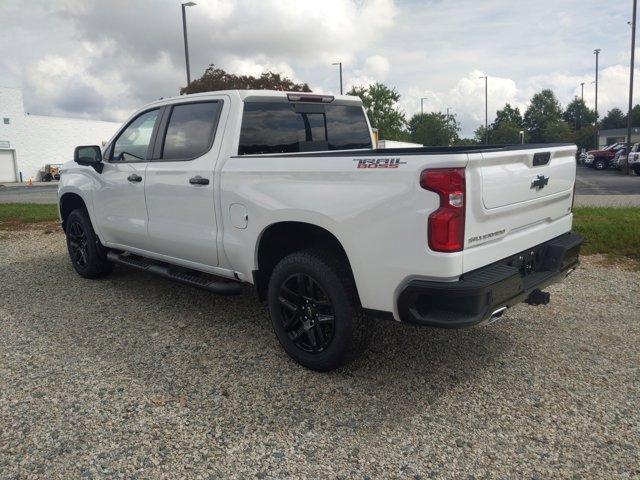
541, 158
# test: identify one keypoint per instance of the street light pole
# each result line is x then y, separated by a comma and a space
582, 98
340, 64
625, 167
486, 109
422, 105
597, 53
186, 42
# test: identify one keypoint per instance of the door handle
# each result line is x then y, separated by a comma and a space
198, 180
134, 178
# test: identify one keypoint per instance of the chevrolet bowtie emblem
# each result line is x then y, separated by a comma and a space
540, 182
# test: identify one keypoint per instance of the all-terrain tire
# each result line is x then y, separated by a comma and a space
330, 278
88, 256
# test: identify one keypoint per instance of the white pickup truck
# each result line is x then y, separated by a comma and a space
285, 191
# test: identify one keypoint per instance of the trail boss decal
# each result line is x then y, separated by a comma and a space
486, 236
379, 162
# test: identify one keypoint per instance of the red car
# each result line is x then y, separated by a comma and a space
601, 159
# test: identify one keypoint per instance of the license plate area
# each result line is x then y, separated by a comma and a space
526, 262
553, 256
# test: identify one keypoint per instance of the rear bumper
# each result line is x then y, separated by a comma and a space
477, 294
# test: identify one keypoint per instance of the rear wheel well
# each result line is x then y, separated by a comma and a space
68, 203
282, 239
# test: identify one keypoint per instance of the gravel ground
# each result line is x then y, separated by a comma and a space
136, 377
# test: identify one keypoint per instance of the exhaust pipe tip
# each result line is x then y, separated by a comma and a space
496, 314
538, 297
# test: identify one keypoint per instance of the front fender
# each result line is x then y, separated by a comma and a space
80, 181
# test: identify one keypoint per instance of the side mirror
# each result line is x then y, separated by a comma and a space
89, 155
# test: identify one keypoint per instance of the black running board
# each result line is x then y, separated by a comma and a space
187, 276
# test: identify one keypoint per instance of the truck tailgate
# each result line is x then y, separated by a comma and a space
507, 178
516, 199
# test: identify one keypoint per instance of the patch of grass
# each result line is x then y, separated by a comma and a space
611, 231
28, 213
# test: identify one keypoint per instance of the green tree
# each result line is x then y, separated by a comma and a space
585, 137
614, 119
381, 104
543, 110
432, 129
217, 79
505, 133
577, 114
635, 117
556, 131
508, 114
465, 141
479, 134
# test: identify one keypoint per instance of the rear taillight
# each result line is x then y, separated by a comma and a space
446, 224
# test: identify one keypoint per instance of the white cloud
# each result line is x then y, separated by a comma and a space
377, 66
255, 67
374, 69
310, 31
466, 99
103, 59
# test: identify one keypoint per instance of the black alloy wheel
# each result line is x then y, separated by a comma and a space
88, 256
77, 244
315, 310
308, 316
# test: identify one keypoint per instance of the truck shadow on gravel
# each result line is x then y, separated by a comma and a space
398, 355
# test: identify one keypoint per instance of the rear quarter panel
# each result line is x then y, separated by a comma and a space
378, 215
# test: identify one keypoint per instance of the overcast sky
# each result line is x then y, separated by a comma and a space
104, 59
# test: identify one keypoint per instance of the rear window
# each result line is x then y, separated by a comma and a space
269, 127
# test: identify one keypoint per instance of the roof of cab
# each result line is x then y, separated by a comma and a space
255, 94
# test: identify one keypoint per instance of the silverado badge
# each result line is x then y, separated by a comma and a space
540, 182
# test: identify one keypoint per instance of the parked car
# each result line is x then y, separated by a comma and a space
284, 191
621, 156
602, 159
51, 172
634, 160
581, 156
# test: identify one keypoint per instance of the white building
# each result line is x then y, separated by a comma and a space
397, 144
617, 135
29, 142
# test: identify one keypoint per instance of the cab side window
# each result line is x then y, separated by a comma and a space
133, 143
190, 130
